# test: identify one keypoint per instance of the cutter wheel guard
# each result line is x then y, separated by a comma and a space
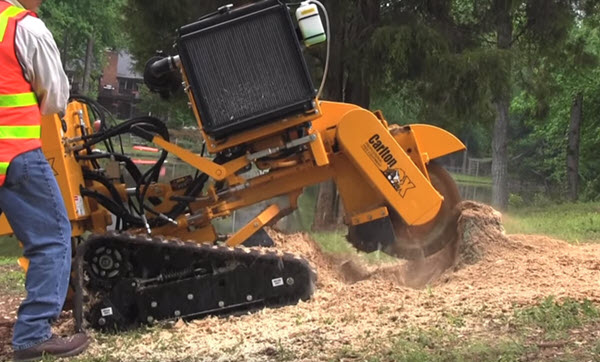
257, 110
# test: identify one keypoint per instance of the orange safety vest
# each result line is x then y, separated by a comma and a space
19, 111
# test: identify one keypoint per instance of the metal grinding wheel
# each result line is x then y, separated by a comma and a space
415, 242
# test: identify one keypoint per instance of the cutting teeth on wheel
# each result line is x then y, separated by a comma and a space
394, 237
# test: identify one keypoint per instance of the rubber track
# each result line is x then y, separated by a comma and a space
182, 254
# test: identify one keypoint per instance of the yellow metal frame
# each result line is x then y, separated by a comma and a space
372, 215
253, 226
340, 132
374, 152
353, 170
203, 164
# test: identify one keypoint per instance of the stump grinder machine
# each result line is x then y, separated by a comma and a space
253, 96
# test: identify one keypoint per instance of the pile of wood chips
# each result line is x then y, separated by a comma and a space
356, 305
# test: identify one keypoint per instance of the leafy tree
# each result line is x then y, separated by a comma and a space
151, 27
464, 57
569, 96
152, 24
501, 74
83, 29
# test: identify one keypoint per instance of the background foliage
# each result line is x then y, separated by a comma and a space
433, 61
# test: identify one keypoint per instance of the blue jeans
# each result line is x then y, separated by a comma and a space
34, 207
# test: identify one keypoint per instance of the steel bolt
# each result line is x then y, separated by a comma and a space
221, 304
249, 298
133, 284
177, 313
290, 281
150, 319
190, 297
101, 321
154, 304
255, 224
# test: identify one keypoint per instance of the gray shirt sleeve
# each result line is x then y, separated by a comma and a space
39, 56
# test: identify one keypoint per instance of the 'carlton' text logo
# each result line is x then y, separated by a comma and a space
382, 150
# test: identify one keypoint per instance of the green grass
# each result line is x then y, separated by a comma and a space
416, 345
515, 337
12, 278
335, 242
306, 206
556, 318
9, 247
573, 222
547, 321
471, 180
8, 261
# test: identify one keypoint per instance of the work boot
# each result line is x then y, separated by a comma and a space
55, 346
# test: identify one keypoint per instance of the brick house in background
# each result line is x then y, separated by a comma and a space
120, 85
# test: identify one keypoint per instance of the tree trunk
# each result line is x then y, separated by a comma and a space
573, 147
500, 157
358, 90
64, 53
87, 70
346, 83
334, 87
465, 160
502, 103
325, 208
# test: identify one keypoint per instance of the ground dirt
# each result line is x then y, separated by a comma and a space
9, 302
356, 305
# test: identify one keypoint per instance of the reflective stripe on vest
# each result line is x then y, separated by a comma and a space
10, 12
19, 132
3, 168
14, 100
18, 100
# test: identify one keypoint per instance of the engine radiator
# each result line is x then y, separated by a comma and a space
245, 68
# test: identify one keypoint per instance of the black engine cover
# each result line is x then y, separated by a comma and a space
245, 68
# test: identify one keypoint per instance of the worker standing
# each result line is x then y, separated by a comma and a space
32, 84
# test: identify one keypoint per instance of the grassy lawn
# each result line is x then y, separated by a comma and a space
335, 243
12, 278
471, 180
573, 222
551, 330
9, 247
558, 330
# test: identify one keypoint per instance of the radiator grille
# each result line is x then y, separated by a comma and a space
247, 69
